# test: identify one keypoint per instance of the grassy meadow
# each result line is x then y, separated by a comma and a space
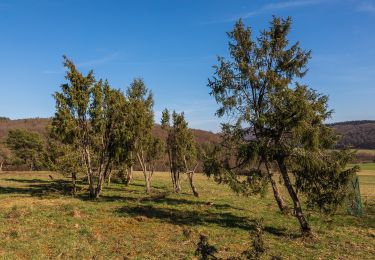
38, 221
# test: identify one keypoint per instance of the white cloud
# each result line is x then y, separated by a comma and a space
367, 7
101, 60
278, 6
271, 7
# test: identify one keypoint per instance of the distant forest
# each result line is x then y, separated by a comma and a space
357, 134
354, 134
40, 125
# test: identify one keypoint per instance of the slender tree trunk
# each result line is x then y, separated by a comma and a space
145, 172
109, 179
74, 188
190, 175
147, 181
109, 175
305, 227
130, 176
173, 180
101, 178
193, 188
130, 172
171, 169
177, 182
1, 166
90, 176
279, 199
125, 176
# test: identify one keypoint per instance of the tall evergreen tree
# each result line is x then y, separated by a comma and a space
181, 149
277, 123
140, 123
90, 118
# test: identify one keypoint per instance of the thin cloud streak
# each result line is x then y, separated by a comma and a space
269, 8
103, 60
90, 63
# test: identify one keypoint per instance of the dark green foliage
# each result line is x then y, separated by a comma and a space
324, 177
90, 119
275, 122
354, 206
140, 122
257, 245
154, 151
27, 147
204, 250
65, 159
181, 148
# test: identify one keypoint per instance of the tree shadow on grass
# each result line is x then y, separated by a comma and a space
194, 217
26, 180
40, 188
187, 217
199, 215
163, 198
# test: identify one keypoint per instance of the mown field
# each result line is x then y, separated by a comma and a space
38, 221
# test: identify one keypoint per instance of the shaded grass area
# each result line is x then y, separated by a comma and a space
39, 219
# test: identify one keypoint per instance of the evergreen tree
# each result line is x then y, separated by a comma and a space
276, 122
26, 146
181, 149
65, 159
90, 118
140, 124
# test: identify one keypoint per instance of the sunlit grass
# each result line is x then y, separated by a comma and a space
37, 221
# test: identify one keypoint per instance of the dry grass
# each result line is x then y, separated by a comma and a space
39, 222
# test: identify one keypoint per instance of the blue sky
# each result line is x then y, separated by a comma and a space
173, 45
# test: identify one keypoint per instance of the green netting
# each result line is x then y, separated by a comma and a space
354, 198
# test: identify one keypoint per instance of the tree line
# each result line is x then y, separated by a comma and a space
275, 127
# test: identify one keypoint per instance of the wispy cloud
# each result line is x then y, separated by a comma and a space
269, 8
367, 7
102, 60
88, 63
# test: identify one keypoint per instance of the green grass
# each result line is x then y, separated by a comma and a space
38, 222
365, 151
367, 166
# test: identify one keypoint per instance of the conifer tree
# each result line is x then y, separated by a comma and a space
140, 124
26, 146
90, 118
275, 123
181, 149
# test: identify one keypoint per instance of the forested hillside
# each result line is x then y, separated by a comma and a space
39, 125
357, 134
